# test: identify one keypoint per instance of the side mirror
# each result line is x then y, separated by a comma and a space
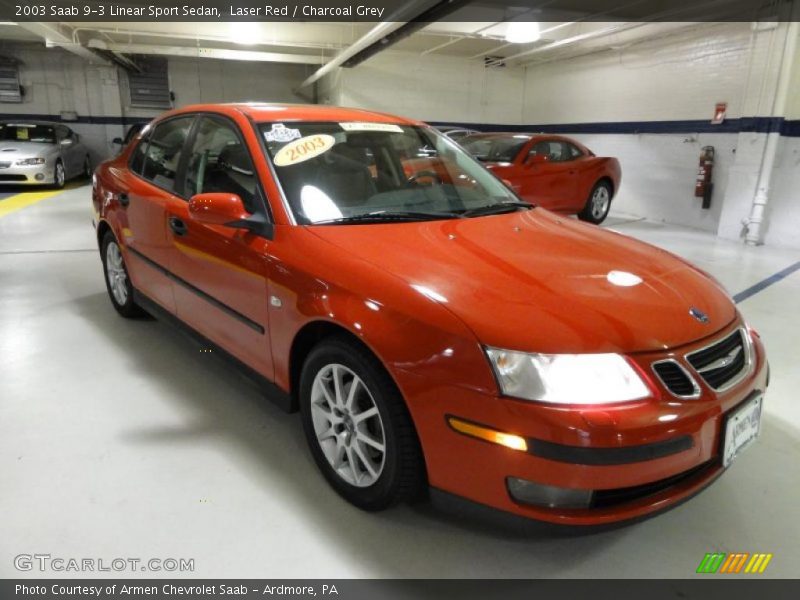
118, 141
217, 209
537, 159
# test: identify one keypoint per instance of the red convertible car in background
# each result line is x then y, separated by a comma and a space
554, 172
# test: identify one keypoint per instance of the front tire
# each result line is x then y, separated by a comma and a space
59, 176
358, 427
598, 204
87, 167
118, 284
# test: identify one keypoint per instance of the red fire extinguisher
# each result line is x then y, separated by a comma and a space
704, 187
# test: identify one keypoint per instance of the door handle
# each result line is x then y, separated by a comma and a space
124, 199
178, 227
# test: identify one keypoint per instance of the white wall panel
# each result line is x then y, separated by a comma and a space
431, 88
659, 171
680, 76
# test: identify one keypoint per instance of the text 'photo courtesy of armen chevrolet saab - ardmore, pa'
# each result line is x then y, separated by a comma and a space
399, 298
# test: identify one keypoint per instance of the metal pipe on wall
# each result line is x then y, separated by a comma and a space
761, 197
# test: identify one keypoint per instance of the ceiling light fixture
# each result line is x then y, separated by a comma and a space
245, 33
522, 32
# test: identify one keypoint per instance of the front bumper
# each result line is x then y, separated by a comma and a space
33, 175
639, 457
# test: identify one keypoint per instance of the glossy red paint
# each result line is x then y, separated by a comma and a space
216, 209
560, 186
425, 298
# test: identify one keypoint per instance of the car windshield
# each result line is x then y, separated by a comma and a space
494, 149
370, 172
42, 134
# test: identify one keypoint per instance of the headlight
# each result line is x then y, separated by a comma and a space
567, 378
27, 162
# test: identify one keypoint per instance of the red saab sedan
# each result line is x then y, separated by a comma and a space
554, 172
433, 330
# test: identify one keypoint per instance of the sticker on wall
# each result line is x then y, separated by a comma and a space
303, 149
719, 113
281, 133
371, 127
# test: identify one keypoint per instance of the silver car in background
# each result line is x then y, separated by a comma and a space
41, 153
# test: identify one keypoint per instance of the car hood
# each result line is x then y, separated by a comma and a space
17, 150
534, 281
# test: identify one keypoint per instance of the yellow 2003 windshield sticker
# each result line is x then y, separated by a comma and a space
303, 149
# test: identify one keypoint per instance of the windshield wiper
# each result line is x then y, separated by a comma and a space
383, 216
495, 209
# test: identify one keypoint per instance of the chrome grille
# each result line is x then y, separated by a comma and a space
676, 379
725, 362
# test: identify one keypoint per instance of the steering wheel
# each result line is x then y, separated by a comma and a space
425, 174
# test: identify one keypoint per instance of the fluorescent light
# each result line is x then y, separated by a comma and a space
522, 32
246, 33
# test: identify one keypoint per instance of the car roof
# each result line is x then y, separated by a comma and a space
268, 112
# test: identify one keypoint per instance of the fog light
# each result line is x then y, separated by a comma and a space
39, 176
528, 492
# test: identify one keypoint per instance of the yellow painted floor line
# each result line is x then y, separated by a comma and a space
23, 200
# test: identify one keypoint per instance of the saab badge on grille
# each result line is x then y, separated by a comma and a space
698, 314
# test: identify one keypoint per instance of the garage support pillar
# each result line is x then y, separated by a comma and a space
754, 222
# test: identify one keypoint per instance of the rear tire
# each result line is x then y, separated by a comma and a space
118, 284
363, 441
598, 204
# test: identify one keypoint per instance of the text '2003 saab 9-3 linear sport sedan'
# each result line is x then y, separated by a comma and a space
434, 331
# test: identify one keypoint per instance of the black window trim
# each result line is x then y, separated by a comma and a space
262, 206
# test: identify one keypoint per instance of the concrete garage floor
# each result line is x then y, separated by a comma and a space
121, 439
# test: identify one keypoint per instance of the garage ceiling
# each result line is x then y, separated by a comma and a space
581, 29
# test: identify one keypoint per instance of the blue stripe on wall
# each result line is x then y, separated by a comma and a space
87, 120
744, 124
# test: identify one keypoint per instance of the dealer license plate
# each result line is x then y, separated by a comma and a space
741, 429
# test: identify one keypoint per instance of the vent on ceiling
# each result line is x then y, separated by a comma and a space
494, 62
149, 88
10, 89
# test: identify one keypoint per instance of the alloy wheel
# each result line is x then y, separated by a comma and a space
115, 272
348, 425
600, 200
60, 177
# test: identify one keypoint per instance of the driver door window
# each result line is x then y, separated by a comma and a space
219, 162
163, 154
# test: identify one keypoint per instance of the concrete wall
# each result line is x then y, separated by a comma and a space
678, 77
56, 81
431, 88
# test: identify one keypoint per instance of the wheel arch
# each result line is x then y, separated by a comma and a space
307, 337
606, 179
102, 228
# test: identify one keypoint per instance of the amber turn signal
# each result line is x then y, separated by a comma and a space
509, 440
